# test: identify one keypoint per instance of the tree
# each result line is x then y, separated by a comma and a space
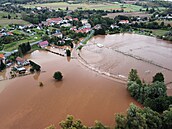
133, 76
167, 119
70, 123
58, 75
99, 125
68, 53
134, 90
159, 104
155, 90
9, 16
2, 65
138, 118
158, 77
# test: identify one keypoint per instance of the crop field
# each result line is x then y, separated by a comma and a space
140, 14
98, 6
4, 22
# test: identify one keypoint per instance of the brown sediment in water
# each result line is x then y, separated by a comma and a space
85, 94
82, 93
122, 52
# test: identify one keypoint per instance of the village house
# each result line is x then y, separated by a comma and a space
53, 21
68, 18
43, 44
21, 61
84, 21
58, 34
124, 22
75, 19
6, 34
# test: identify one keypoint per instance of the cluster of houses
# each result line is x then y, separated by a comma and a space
84, 29
5, 33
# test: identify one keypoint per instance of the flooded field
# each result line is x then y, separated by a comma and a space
122, 52
94, 83
83, 93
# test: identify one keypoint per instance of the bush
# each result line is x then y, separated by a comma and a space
58, 75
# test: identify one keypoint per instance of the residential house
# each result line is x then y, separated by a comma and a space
75, 19
84, 21
68, 18
43, 44
66, 25
52, 21
6, 34
58, 34
124, 22
20, 60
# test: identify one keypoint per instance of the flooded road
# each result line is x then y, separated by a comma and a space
122, 52
83, 93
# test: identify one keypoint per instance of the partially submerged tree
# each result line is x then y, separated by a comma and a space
158, 77
58, 76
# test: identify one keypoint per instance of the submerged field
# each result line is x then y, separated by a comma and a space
99, 6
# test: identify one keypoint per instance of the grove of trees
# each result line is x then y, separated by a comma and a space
152, 95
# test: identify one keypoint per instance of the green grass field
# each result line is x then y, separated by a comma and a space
14, 45
159, 32
99, 6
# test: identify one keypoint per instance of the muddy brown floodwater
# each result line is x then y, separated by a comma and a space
86, 91
122, 52
83, 93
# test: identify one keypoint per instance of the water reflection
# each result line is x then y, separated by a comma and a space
36, 75
68, 58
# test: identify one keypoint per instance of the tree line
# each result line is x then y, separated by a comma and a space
152, 95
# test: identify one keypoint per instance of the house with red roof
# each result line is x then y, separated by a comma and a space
123, 22
75, 19
51, 21
20, 60
68, 18
1, 56
43, 44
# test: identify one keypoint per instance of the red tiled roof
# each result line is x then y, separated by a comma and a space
75, 19
1, 55
68, 17
44, 43
9, 33
19, 59
54, 19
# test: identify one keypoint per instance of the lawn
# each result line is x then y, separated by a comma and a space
14, 45
99, 6
159, 32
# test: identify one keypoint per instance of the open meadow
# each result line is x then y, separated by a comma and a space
99, 6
